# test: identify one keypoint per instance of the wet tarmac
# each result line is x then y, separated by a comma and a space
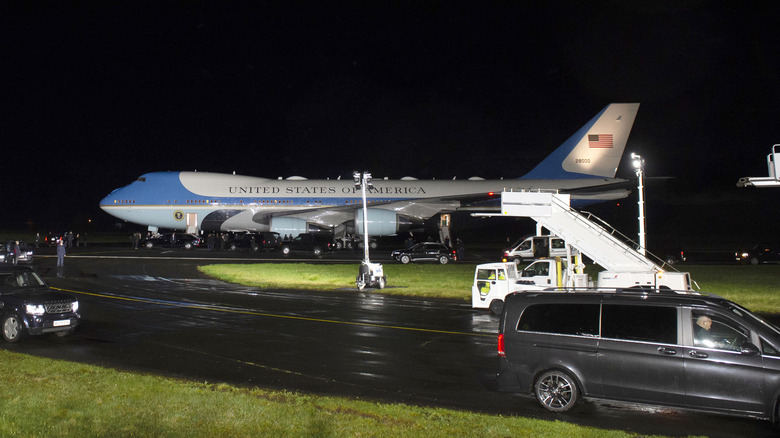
151, 311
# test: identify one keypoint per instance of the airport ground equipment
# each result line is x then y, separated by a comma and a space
773, 165
369, 274
625, 266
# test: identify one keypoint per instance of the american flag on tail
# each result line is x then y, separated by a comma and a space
600, 140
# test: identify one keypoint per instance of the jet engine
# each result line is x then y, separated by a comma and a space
383, 222
292, 226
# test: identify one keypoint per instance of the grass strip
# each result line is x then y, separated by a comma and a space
755, 287
45, 398
421, 280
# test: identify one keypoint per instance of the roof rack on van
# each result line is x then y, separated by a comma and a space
639, 289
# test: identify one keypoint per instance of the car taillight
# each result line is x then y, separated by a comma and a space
501, 345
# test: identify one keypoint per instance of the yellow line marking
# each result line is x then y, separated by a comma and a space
271, 315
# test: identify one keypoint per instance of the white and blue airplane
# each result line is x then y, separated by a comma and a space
584, 166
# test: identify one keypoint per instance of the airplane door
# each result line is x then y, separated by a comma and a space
192, 223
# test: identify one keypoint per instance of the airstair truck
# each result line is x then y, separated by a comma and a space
625, 267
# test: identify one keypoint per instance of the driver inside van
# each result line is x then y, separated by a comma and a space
701, 333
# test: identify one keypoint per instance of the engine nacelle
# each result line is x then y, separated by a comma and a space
289, 225
382, 222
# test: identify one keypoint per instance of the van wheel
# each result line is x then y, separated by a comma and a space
12, 328
496, 306
516, 261
556, 391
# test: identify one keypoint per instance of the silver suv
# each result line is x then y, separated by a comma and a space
686, 350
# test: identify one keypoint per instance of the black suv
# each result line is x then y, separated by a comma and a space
314, 243
686, 350
426, 251
29, 307
760, 254
255, 241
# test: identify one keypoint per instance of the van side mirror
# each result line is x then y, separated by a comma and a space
749, 349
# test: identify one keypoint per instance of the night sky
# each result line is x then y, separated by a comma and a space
97, 93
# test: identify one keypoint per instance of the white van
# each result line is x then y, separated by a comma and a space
535, 247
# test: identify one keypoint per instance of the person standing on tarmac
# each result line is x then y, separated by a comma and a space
60, 257
17, 251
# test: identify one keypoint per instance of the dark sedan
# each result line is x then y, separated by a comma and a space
426, 251
173, 240
9, 255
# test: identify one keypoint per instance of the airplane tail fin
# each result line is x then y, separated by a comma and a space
593, 151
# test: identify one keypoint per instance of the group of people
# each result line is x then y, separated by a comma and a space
68, 239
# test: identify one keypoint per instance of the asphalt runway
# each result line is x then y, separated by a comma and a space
151, 311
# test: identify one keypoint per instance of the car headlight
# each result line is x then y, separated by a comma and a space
35, 309
74, 306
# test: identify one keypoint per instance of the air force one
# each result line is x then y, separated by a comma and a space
584, 166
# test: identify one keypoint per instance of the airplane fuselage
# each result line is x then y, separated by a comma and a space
223, 202
584, 166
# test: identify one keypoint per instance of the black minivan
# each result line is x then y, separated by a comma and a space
686, 350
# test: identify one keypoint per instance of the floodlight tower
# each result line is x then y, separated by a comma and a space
364, 181
369, 274
639, 166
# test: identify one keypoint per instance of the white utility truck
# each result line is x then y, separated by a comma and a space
534, 247
625, 267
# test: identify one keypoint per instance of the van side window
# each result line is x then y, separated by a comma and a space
714, 331
565, 319
768, 349
639, 323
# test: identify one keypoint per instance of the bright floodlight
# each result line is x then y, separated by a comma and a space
637, 160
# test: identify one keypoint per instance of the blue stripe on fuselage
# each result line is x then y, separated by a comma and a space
165, 188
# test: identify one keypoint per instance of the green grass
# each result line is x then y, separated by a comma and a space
50, 398
423, 280
755, 287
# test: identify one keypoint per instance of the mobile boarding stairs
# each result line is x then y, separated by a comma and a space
597, 240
